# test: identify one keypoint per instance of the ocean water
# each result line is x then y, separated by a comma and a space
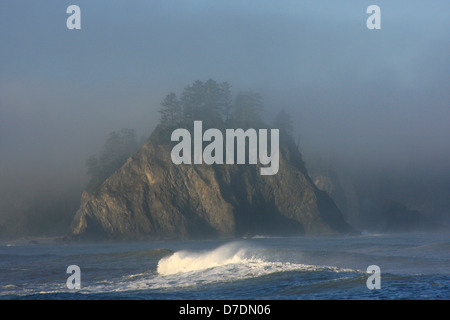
412, 266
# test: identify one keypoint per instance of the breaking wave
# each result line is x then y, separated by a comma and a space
187, 269
229, 262
186, 261
273, 268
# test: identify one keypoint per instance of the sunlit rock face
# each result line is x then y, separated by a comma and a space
150, 197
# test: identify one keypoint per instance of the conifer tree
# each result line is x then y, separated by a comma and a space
226, 104
283, 122
248, 110
170, 111
191, 100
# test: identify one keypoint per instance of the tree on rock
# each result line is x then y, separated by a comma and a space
283, 122
248, 110
119, 146
171, 113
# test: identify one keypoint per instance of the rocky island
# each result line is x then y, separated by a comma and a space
150, 197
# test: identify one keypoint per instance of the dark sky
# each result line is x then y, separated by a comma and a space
379, 96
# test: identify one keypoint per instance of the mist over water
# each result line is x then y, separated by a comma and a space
369, 110
368, 104
184, 261
413, 266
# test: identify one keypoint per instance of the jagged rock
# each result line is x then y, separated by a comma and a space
397, 217
149, 197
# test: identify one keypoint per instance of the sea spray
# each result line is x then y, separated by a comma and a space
230, 262
415, 264
186, 261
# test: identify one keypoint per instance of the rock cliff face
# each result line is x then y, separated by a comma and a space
396, 217
149, 197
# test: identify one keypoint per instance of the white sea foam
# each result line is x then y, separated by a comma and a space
230, 262
186, 261
183, 269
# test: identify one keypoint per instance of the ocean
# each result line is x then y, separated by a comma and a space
411, 266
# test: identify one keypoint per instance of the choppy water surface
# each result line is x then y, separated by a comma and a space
413, 266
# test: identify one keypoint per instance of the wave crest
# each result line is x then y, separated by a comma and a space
187, 261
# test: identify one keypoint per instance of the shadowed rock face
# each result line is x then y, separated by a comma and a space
396, 217
149, 197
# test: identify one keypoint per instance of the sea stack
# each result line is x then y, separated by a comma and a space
151, 198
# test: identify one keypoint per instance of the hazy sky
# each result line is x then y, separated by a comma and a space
365, 94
